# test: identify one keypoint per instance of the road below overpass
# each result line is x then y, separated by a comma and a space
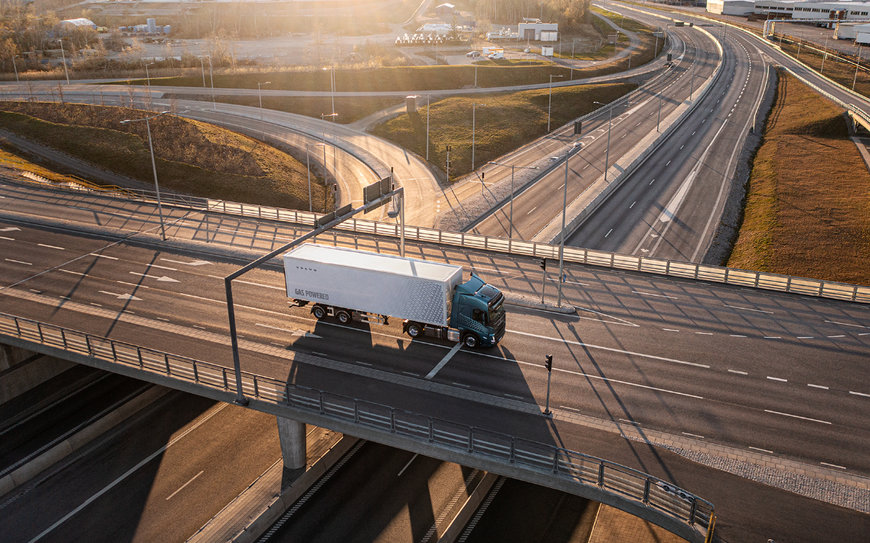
704, 364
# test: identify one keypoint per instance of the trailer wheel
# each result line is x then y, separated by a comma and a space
318, 311
470, 340
415, 329
343, 317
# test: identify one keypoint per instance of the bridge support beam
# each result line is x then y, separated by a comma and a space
292, 436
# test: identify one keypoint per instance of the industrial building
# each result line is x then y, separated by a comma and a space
792, 9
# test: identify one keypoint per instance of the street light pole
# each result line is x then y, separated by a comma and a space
473, 123
609, 126
562, 237
822, 70
659, 120
857, 64
427, 128
202, 69
260, 96
511, 205
550, 100
211, 78
63, 58
153, 166
14, 67
308, 164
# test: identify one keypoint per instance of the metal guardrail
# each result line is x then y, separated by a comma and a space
543, 459
577, 255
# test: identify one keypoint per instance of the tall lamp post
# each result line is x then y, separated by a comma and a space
14, 67
427, 128
609, 126
260, 95
550, 100
511, 214
153, 165
562, 237
473, 123
63, 59
854, 78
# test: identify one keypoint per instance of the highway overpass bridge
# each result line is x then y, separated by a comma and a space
664, 345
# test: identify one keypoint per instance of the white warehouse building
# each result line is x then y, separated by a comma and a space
792, 9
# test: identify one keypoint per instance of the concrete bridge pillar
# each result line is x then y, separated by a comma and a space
292, 436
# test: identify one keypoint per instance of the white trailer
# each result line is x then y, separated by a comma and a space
405, 288
346, 284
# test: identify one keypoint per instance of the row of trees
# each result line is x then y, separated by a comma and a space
570, 14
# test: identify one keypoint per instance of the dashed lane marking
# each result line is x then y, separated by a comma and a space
823, 387
780, 413
738, 372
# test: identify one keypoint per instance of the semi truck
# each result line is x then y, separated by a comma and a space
430, 297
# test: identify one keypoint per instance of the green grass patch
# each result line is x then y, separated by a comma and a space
808, 200
192, 157
506, 122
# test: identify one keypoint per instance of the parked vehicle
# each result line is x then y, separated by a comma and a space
429, 296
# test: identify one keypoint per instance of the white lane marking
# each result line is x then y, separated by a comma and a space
653, 181
7, 239
611, 349
795, 416
627, 383
411, 373
51, 246
273, 287
10, 229
161, 267
96, 304
569, 408
832, 465
847, 324
823, 387
407, 465
363, 363
632, 204
460, 384
182, 486
805, 337
164, 319
608, 232
772, 337
704, 333
762, 450
668, 163
194, 263
121, 296
103, 256
214, 411
841, 335
444, 361
748, 309
291, 331
738, 372
693, 435
852, 392
532, 210
632, 422
162, 279
653, 294
737, 335
670, 330
19, 262
513, 396
780, 379
201, 327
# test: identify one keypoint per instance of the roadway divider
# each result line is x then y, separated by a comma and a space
460, 521
263, 502
593, 197
58, 452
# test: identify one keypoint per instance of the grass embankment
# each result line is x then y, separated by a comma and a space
192, 157
808, 201
504, 123
647, 49
10, 160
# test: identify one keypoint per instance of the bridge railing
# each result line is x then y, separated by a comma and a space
577, 255
540, 458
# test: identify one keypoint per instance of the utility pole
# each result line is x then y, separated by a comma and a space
427, 128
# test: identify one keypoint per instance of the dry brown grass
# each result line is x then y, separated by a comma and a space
808, 201
192, 157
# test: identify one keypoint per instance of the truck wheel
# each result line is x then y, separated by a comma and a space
415, 329
343, 317
470, 340
318, 311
